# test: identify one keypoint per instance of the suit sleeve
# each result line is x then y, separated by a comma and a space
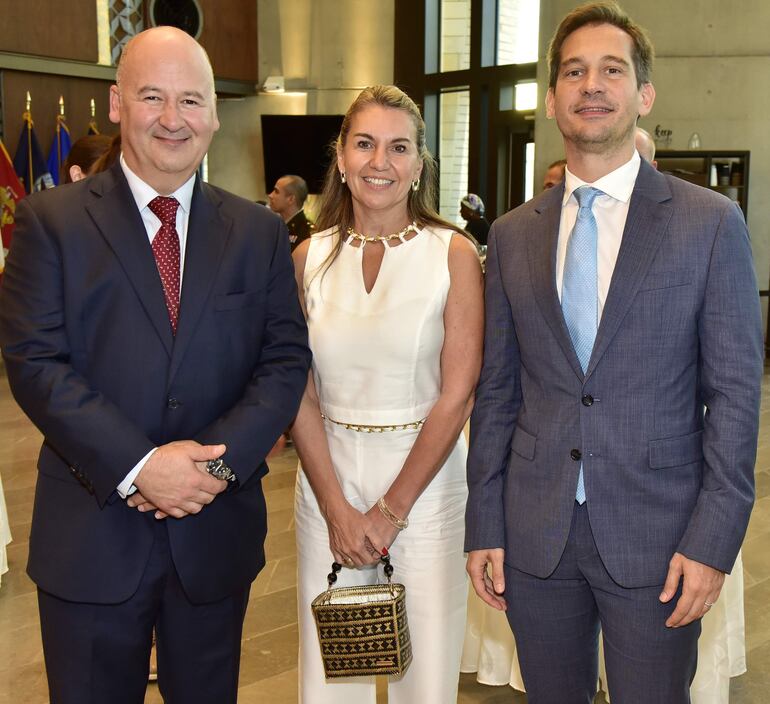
730, 366
271, 399
86, 430
498, 398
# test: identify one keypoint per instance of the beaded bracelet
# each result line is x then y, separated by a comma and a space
392, 518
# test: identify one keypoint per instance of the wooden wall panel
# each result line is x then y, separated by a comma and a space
230, 38
45, 91
62, 30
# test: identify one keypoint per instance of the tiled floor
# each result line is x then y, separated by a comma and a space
268, 673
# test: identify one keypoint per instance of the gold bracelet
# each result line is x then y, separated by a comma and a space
392, 518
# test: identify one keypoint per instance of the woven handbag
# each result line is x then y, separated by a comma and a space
363, 630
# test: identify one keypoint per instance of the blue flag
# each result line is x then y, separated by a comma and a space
59, 149
29, 162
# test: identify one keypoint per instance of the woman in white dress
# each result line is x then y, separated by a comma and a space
393, 299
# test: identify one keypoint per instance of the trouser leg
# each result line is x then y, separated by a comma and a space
556, 625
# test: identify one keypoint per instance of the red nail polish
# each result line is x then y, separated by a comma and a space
385, 552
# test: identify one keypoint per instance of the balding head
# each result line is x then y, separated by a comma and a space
168, 39
554, 174
288, 196
165, 103
645, 145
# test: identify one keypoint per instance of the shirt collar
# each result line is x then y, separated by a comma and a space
618, 184
144, 193
295, 215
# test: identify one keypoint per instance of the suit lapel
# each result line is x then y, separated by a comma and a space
648, 217
543, 240
207, 234
114, 211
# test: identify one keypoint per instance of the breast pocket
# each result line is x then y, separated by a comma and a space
657, 280
239, 300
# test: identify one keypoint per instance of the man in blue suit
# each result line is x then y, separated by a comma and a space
614, 434
151, 330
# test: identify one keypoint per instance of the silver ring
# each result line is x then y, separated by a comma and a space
708, 604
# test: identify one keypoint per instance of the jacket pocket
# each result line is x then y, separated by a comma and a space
678, 451
666, 279
523, 443
238, 301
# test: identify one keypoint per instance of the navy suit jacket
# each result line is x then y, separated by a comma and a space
92, 361
665, 418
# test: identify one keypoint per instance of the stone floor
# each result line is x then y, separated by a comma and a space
268, 673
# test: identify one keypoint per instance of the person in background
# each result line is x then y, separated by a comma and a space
472, 211
393, 298
150, 328
109, 157
613, 441
554, 174
645, 145
83, 155
288, 200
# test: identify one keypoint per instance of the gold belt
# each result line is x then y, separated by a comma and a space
414, 425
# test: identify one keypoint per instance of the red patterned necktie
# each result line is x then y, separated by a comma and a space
165, 247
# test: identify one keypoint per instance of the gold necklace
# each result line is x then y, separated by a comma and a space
412, 227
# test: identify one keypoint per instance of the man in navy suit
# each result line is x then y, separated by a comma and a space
151, 329
614, 434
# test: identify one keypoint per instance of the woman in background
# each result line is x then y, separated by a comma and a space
393, 299
84, 153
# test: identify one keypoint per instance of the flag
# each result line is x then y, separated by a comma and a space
59, 149
29, 162
11, 192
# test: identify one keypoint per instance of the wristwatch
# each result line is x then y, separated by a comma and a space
219, 469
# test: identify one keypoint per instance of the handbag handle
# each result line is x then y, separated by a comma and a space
331, 578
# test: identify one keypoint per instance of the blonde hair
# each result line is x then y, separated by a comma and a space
336, 203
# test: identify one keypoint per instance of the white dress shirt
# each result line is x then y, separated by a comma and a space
610, 211
143, 194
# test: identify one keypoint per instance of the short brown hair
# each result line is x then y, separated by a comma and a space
85, 151
603, 13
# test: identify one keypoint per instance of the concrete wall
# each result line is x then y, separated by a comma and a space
327, 51
711, 77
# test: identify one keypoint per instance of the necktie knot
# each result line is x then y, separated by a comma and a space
165, 207
585, 196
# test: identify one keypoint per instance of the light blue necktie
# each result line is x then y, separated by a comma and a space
579, 293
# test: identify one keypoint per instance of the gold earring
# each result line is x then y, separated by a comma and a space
416, 185
343, 178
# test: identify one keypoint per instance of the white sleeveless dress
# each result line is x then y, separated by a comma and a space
376, 361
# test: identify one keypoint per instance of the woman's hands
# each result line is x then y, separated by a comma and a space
357, 539
380, 531
348, 536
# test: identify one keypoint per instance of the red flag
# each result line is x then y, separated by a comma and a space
11, 192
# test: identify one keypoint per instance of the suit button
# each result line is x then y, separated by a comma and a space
587, 400
173, 403
575, 455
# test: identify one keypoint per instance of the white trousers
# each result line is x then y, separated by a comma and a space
427, 558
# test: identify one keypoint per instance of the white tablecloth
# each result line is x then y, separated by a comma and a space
490, 650
5, 532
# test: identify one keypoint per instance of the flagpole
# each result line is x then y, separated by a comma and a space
92, 125
59, 119
28, 117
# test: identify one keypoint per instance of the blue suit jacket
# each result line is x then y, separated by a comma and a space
91, 359
680, 333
